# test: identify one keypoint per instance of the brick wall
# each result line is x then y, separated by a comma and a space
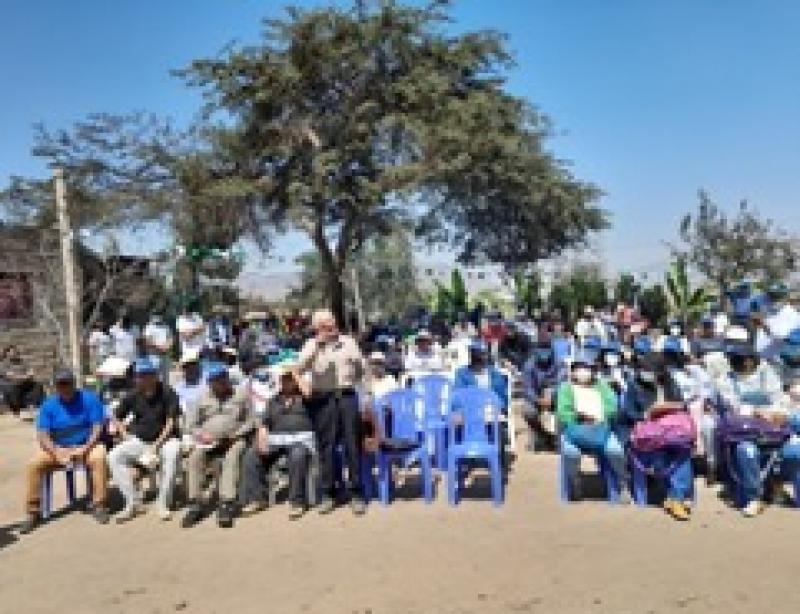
37, 255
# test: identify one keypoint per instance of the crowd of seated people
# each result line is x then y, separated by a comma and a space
241, 404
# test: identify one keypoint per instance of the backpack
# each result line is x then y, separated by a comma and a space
673, 430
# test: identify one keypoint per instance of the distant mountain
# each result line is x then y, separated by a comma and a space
267, 286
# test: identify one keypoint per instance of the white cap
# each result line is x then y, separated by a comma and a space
737, 333
377, 357
188, 356
113, 366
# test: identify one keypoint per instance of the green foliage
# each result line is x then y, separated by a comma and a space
527, 291
685, 303
344, 122
584, 286
728, 248
626, 289
654, 304
453, 300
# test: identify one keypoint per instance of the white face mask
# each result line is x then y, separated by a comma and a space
612, 360
583, 375
794, 393
675, 331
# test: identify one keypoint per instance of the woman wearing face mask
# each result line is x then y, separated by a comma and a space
646, 399
586, 408
755, 390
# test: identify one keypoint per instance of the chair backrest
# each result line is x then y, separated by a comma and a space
477, 408
435, 391
398, 415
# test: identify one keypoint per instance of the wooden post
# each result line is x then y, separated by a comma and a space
68, 263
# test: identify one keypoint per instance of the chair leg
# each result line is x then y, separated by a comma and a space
796, 485
272, 483
46, 495
385, 479
612, 482
441, 450
497, 481
427, 477
563, 481
452, 480
639, 487
69, 474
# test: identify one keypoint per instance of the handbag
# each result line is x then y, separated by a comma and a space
671, 430
735, 429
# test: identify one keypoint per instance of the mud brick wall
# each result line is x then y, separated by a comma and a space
36, 254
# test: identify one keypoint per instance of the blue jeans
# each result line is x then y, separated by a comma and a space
613, 453
748, 467
679, 480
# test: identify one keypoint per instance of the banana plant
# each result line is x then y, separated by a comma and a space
685, 303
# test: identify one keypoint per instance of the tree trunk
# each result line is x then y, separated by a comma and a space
336, 296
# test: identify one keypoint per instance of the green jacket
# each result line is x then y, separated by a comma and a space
565, 408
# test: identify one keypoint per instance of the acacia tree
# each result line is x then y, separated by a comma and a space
344, 122
727, 248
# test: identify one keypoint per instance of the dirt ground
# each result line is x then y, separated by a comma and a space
533, 554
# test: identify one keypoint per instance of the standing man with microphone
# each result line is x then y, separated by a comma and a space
336, 366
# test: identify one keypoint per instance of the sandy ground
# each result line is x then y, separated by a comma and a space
533, 554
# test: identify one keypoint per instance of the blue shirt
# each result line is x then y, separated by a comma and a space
70, 424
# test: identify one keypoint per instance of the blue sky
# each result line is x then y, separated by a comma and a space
652, 100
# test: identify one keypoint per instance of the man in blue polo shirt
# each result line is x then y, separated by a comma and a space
69, 427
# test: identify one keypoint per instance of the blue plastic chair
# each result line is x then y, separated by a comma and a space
403, 439
475, 436
640, 474
435, 391
613, 486
47, 488
770, 466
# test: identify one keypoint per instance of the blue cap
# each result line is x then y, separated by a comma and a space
144, 366
593, 343
614, 347
478, 345
794, 337
672, 345
585, 357
216, 370
642, 345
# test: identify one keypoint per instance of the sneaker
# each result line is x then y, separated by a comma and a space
358, 506
100, 514
677, 510
753, 509
296, 512
326, 506
29, 524
625, 497
225, 515
193, 515
251, 509
128, 514
164, 514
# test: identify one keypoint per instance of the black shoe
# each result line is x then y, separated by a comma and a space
358, 506
100, 514
193, 515
225, 515
29, 524
326, 506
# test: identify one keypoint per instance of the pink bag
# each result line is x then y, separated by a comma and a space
672, 430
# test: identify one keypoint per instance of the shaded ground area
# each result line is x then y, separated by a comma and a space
532, 555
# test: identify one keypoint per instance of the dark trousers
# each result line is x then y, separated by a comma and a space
337, 419
255, 469
20, 394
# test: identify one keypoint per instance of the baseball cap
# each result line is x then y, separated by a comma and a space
216, 370
144, 366
190, 356
64, 376
478, 345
